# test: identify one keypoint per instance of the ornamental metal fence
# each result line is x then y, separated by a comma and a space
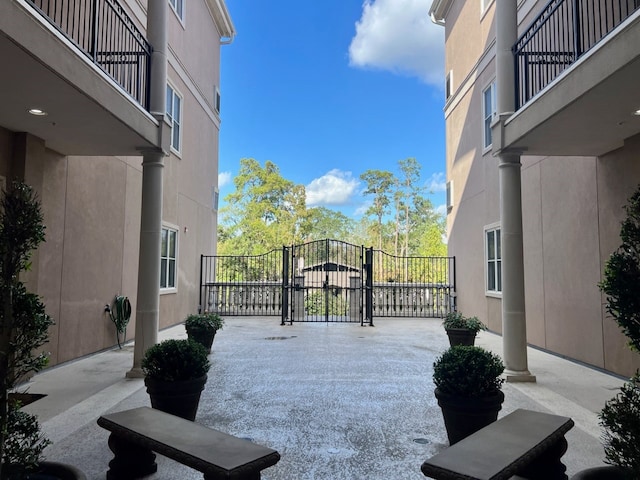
327, 281
106, 34
563, 31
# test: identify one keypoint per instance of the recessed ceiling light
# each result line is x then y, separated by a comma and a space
37, 112
637, 112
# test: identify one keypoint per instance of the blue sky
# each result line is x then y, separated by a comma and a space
328, 89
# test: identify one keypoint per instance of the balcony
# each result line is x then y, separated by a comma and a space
87, 65
577, 67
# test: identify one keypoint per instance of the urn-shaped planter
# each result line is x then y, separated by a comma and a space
468, 389
462, 330
180, 398
460, 336
466, 415
202, 328
609, 472
204, 338
175, 375
56, 471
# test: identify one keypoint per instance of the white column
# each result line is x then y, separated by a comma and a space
514, 323
148, 297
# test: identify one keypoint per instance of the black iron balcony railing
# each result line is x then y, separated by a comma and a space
107, 35
562, 33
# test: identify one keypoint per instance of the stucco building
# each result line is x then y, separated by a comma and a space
543, 142
111, 111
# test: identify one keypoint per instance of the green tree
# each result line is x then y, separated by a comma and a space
24, 323
379, 185
267, 211
321, 222
264, 212
409, 192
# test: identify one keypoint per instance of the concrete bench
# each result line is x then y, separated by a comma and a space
525, 444
137, 433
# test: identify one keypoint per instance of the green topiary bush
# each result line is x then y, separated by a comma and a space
176, 360
200, 323
621, 280
25, 444
620, 416
621, 420
24, 324
457, 320
468, 371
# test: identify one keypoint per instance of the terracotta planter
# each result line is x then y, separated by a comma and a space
466, 415
204, 338
179, 398
460, 336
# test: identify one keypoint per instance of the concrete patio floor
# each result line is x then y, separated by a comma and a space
338, 401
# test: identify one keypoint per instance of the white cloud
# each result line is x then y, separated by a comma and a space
362, 209
436, 183
441, 210
333, 188
399, 36
224, 178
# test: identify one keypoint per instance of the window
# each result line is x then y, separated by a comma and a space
215, 199
448, 86
449, 196
178, 7
168, 254
484, 4
174, 112
494, 260
216, 100
488, 112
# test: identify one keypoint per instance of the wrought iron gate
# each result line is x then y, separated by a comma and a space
327, 281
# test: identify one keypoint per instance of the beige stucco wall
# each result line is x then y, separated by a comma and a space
91, 205
572, 208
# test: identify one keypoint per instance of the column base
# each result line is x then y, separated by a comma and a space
135, 372
519, 376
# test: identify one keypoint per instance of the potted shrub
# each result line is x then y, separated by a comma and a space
468, 389
175, 375
462, 330
202, 328
620, 416
24, 326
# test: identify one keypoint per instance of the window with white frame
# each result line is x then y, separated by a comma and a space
174, 112
168, 258
484, 4
493, 252
216, 100
215, 199
488, 112
448, 85
178, 7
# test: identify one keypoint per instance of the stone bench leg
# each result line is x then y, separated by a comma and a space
130, 460
548, 466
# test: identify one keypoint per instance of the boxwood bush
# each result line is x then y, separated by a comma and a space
176, 360
468, 371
